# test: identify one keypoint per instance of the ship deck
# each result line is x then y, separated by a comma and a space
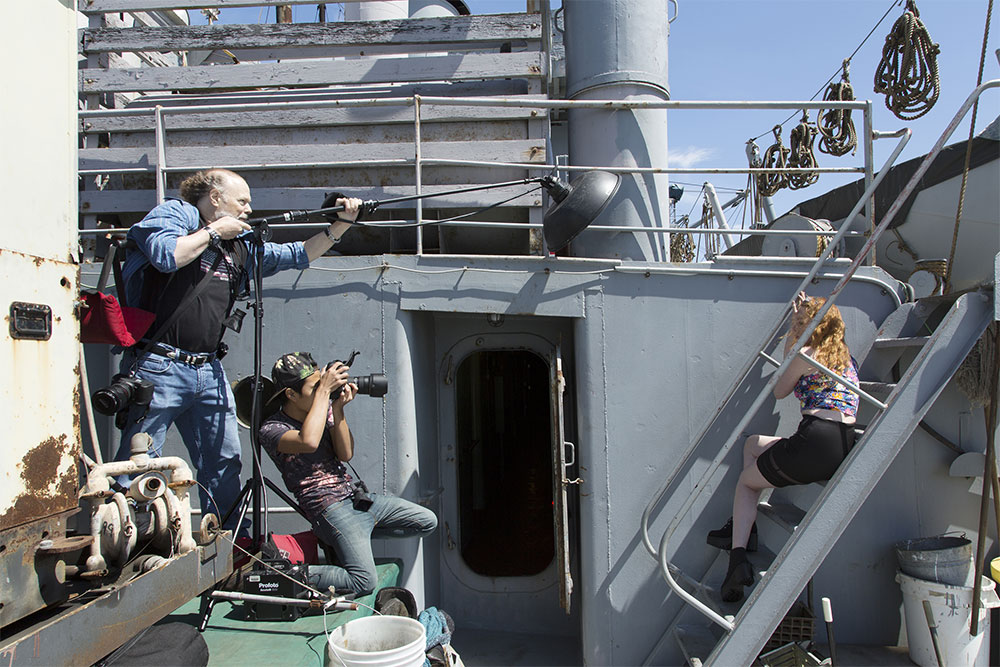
233, 640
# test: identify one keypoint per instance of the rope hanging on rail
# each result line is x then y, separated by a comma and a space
801, 155
681, 247
908, 71
837, 134
775, 157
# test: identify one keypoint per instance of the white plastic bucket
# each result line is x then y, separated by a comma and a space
952, 608
377, 641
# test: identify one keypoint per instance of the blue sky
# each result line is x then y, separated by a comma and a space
782, 50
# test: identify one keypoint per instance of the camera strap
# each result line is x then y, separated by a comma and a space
188, 300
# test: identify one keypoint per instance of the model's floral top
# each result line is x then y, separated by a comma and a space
820, 391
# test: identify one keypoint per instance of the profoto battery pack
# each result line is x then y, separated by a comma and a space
284, 580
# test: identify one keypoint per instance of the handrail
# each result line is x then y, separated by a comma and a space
161, 168
798, 345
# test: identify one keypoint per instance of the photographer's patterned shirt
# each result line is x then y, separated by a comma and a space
317, 479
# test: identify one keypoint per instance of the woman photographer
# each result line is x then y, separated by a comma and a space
309, 441
824, 438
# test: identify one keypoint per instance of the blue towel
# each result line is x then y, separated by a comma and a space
439, 627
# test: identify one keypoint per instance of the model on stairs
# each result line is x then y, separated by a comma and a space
824, 438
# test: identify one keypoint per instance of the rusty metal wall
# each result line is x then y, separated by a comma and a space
38, 391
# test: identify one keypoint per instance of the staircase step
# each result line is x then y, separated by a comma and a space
786, 515
883, 388
696, 642
912, 341
710, 595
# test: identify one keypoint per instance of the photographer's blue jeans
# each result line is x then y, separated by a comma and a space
350, 533
199, 402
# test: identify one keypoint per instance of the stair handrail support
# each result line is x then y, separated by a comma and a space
796, 348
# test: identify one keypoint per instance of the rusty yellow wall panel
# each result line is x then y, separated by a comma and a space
38, 132
39, 394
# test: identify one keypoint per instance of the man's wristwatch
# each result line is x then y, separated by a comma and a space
333, 239
213, 236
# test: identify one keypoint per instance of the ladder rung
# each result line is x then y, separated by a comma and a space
884, 388
784, 514
912, 341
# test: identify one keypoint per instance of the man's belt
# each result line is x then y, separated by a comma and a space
177, 354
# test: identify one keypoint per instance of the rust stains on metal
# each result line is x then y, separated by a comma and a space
76, 401
47, 491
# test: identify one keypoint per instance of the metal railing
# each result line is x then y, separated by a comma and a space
661, 553
160, 114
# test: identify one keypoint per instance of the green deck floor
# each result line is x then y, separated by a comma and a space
235, 641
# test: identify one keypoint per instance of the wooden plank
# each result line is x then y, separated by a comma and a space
309, 52
519, 150
314, 73
114, 6
467, 31
307, 198
330, 116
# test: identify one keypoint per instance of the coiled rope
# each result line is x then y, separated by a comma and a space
908, 71
801, 154
837, 134
681, 248
775, 157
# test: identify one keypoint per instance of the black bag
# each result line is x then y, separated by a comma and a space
163, 645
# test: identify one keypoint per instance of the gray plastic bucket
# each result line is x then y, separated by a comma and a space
944, 559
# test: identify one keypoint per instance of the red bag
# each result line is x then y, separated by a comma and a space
298, 548
104, 320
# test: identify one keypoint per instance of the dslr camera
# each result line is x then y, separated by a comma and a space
373, 384
123, 392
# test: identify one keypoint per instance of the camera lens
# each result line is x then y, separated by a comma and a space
375, 384
112, 398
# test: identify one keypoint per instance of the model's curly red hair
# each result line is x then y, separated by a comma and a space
827, 341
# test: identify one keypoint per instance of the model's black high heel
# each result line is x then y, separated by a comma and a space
723, 537
740, 574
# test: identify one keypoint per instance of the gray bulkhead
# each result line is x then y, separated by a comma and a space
646, 358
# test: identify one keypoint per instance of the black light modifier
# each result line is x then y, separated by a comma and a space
577, 205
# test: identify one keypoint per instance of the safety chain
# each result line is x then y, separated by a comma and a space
836, 129
801, 154
908, 71
775, 157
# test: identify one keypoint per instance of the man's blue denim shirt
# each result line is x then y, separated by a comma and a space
156, 236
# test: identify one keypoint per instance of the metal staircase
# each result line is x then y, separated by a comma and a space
812, 538
734, 634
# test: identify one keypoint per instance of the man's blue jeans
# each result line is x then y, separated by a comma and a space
199, 402
349, 532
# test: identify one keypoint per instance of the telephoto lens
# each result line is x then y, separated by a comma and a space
373, 384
